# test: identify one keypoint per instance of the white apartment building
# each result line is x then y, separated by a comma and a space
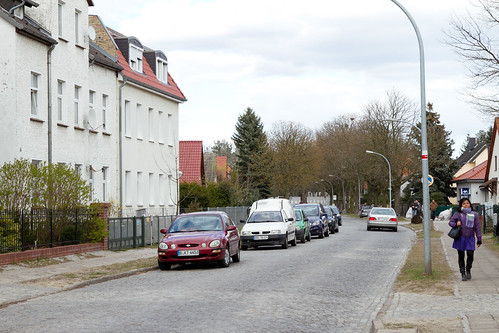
67, 97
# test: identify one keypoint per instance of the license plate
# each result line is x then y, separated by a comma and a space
260, 237
186, 253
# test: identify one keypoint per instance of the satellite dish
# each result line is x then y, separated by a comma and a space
92, 119
91, 33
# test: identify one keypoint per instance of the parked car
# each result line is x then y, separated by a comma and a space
302, 226
270, 222
364, 211
317, 217
201, 236
332, 222
382, 217
337, 213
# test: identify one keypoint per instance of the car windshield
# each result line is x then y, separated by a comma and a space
196, 223
267, 216
310, 210
382, 211
335, 210
298, 214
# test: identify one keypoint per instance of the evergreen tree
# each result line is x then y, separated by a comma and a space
441, 165
251, 146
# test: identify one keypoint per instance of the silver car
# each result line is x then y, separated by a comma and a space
382, 217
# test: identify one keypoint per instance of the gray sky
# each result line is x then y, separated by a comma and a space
305, 61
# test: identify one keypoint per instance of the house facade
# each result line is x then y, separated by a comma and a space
489, 186
72, 92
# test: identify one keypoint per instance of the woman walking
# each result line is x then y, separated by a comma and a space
465, 244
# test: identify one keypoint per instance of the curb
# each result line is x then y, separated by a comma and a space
84, 284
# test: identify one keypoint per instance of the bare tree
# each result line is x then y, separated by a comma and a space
471, 37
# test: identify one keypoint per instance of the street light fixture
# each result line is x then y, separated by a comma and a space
332, 191
389, 176
343, 188
424, 146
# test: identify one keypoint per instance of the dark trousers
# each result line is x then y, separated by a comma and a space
469, 259
432, 214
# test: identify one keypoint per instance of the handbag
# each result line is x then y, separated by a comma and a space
455, 232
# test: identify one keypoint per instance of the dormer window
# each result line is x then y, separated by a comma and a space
162, 70
136, 58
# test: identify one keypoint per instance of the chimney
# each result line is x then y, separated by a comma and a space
471, 143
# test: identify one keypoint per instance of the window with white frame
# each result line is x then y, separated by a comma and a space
162, 70
170, 127
77, 26
140, 185
128, 119
151, 189
78, 169
128, 188
136, 58
91, 98
104, 183
91, 182
60, 100
37, 163
104, 111
161, 130
162, 184
139, 120
76, 110
60, 18
35, 96
150, 117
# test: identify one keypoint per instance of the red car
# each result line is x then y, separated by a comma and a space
201, 236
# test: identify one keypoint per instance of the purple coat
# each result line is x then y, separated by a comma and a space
466, 230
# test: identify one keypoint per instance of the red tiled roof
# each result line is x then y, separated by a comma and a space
191, 161
477, 173
150, 79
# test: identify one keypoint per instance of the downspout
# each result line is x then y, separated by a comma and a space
120, 116
49, 106
15, 7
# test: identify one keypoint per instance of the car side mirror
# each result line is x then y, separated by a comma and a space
163, 231
305, 219
291, 219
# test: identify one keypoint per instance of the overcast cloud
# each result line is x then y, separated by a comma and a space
305, 61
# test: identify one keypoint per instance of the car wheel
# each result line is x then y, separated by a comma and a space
395, 229
225, 262
321, 234
337, 229
303, 238
285, 244
309, 237
332, 231
244, 247
236, 257
368, 228
327, 232
164, 266
293, 242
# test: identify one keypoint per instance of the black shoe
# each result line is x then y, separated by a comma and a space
463, 277
468, 275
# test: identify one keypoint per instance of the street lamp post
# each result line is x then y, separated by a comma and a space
343, 189
332, 191
424, 146
389, 176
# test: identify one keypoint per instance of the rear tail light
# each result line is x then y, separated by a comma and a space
393, 219
372, 219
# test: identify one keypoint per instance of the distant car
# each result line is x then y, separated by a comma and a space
337, 212
302, 226
382, 217
332, 221
317, 217
196, 237
364, 211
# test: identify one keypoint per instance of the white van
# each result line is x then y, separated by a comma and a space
270, 222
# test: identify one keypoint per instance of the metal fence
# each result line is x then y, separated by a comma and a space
41, 228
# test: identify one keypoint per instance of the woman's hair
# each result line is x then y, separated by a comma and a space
460, 208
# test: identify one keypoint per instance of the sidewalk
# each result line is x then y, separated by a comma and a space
473, 308
18, 283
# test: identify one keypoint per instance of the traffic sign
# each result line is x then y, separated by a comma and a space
430, 180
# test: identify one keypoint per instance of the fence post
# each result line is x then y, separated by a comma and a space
22, 230
51, 228
143, 231
76, 228
134, 219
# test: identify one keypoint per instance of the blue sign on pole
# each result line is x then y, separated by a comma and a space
465, 192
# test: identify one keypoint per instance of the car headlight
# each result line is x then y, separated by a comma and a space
315, 222
246, 233
275, 232
163, 246
215, 243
